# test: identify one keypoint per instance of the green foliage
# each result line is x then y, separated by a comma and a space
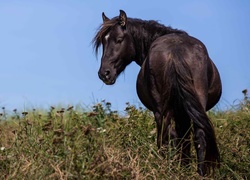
102, 144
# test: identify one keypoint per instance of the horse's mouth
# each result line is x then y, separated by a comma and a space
110, 82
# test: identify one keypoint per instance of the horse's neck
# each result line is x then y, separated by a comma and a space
145, 35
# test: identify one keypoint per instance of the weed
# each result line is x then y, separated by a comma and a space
65, 143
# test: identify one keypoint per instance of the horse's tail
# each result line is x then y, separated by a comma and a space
185, 97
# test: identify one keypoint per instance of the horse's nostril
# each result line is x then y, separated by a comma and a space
107, 72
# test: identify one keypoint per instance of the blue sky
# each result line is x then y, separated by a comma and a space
47, 58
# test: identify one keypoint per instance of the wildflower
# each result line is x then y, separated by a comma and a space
244, 92
61, 111
47, 126
24, 113
70, 108
91, 114
2, 148
52, 107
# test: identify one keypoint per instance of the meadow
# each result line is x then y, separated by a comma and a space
100, 143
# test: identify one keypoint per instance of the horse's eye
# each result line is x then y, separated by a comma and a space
119, 40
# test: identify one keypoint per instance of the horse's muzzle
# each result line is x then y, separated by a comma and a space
106, 77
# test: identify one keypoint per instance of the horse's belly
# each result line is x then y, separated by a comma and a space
142, 90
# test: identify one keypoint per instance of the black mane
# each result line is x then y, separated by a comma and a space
143, 32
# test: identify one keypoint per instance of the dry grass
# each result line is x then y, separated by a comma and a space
100, 144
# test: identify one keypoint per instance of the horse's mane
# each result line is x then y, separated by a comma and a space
141, 28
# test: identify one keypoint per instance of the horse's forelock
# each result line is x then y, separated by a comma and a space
101, 33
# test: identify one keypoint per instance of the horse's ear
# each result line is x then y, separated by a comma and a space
104, 17
123, 18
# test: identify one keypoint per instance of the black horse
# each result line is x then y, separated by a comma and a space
177, 81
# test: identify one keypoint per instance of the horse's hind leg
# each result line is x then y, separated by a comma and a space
200, 146
183, 129
165, 133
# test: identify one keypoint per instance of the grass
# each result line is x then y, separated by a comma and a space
101, 144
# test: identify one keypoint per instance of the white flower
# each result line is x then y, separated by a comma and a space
2, 148
101, 130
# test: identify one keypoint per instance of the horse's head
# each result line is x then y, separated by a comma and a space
118, 49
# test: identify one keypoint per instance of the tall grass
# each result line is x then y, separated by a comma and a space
71, 143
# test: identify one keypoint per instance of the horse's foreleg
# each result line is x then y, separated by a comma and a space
200, 146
